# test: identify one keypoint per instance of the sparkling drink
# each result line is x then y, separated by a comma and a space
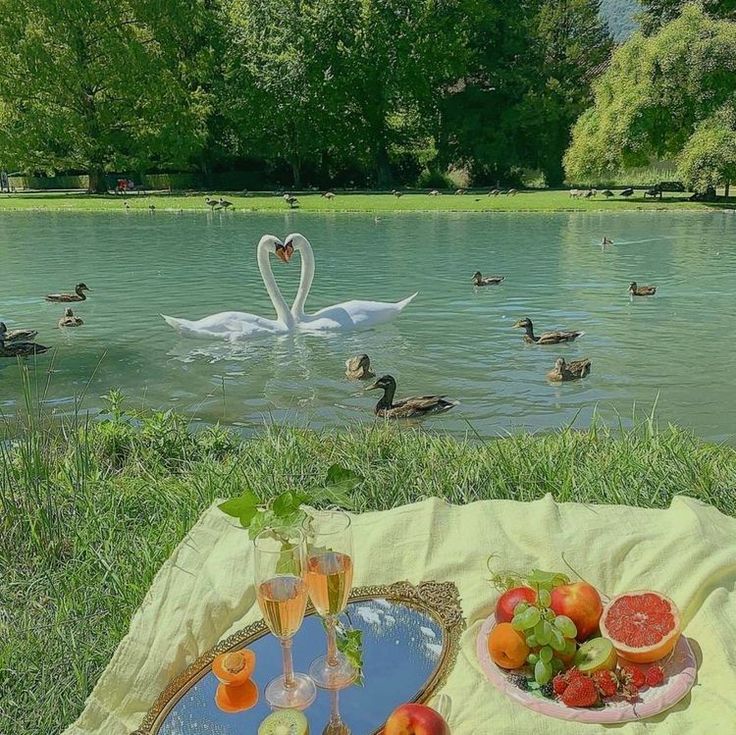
329, 579
282, 601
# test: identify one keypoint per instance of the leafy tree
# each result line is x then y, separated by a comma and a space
657, 91
88, 85
658, 13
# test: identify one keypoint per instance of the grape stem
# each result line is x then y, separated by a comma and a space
574, 571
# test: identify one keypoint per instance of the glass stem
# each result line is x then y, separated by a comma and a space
288, 663
331, 641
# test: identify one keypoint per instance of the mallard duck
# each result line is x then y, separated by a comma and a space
16, 335
546, 338
359, 368
407, 407
480, 280
18, 349
69, 320
78, 294
573, 370
635, 290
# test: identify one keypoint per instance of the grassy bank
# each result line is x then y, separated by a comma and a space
89, 512
524, 201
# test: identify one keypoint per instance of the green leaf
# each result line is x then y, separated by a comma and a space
244, 505
338, 475
288, 504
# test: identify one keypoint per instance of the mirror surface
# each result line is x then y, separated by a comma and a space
402, 647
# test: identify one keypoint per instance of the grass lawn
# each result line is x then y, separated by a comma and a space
89, 512
524, 201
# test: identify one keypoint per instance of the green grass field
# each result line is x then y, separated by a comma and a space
90, 510
524, 201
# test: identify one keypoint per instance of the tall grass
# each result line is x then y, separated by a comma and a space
90, 509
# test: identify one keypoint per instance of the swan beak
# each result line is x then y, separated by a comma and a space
285, 252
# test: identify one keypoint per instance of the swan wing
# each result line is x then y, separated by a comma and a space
226, 325
354, 314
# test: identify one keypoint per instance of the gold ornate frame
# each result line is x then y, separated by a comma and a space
440, 600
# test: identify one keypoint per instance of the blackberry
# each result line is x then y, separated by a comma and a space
518, 680
547, 690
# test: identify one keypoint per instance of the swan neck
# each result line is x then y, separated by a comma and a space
274, 292
307, 276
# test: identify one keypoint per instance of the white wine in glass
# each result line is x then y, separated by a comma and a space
329, 579
281, 590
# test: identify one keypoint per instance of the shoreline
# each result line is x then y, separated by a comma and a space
353, 203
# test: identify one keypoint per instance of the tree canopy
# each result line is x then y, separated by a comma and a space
668, 96
303, 91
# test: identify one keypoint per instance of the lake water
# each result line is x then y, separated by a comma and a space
678, 348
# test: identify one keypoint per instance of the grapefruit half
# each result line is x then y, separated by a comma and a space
643, 626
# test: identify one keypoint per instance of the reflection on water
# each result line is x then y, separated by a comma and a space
453, 339
401, 650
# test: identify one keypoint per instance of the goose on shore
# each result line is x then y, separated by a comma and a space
328, 195
78, 294
405, 408
546, 338
224, 203
564, 371
69, 320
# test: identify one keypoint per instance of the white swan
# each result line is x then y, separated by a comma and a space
343, 317
234, 325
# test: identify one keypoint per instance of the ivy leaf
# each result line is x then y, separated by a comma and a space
350, 644
243, 506
288, 504
262, 519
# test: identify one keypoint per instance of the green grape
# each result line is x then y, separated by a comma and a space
517, 622
531, 640
528, 619
520, 608
548, 630
566, 626
542, 672
532, 659
540, 633
546, 654
570, 647
557, 640
545, 598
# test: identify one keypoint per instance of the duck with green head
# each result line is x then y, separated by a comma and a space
546, 338
412, 407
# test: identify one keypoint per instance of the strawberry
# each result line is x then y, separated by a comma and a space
606, 683
580, 692
633, 676
655, 675
559, 684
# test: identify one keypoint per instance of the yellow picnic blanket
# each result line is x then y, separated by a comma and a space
204, 592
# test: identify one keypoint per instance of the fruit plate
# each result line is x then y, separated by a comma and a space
679, 668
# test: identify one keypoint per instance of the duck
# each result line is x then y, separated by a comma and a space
359, 368
635, 290
16, 335
406, 408
18, 349
546, 338
564, 371
480, 280
606, 241
396, 193
151, 207
78, 294
328, 194
69, 320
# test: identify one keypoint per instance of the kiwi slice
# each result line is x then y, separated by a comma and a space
596, 654
284, 722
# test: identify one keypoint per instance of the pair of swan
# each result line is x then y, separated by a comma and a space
236, 325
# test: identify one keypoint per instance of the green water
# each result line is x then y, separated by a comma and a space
677, 348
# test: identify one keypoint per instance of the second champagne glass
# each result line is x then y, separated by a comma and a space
282, 595
329, 579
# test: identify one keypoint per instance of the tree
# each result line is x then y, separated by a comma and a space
658, 13
87, 85
656, 93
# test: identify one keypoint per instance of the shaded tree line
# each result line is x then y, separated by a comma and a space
303, 92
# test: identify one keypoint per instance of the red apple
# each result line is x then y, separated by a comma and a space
581, 603
510, 599
415, 719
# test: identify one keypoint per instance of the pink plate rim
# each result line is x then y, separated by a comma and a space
680, 682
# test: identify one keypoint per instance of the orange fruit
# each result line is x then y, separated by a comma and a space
507, 646
238, 698
643, 626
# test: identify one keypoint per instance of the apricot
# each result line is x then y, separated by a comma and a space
507, 646
239, 698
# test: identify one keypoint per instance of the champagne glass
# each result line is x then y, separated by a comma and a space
280, 556
329, 578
